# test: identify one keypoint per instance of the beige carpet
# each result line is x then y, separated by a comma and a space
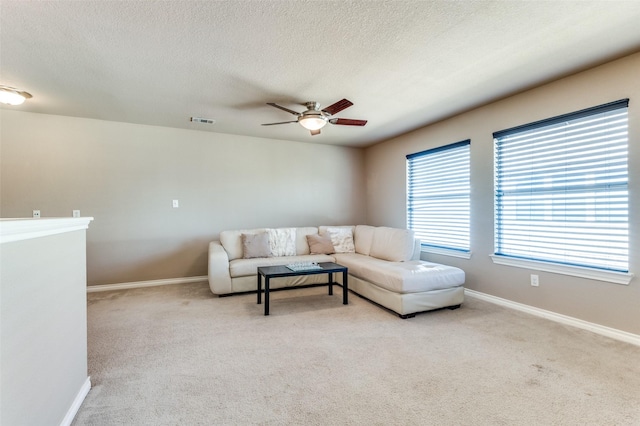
177, 355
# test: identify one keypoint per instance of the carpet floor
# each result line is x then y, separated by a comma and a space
177, 355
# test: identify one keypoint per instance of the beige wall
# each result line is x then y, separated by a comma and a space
126, 177
608, 304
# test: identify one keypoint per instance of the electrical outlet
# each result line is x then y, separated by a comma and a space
76, 213
36, 214
535, 281
176, 204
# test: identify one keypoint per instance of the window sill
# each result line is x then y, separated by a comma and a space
623, 278
447, 252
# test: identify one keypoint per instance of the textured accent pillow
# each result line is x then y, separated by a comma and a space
320, 244
342, 239
255, 245
282, 241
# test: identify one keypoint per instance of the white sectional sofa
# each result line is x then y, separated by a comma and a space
383, 264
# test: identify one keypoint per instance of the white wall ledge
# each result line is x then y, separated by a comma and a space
25, 229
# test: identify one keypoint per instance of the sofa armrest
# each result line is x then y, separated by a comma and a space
219, 278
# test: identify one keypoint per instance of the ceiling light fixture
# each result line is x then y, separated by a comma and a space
12, 96
312, 120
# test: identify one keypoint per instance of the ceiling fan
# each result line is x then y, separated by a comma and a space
314, 118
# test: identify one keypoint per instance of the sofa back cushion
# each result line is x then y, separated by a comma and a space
363, 236
393, 244
232, 240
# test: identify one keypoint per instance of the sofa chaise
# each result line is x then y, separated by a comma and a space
384, 264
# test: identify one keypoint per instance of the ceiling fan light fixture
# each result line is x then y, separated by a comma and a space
12, 96
314, 118
313, 122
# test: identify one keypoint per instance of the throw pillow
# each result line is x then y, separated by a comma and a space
342, 239
282, 241
320, 244
255, 245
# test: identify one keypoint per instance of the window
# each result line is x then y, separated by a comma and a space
561, 189
438, 192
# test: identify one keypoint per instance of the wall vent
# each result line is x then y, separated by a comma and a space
202, 120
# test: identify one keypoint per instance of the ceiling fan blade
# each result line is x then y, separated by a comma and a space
347, 122
337, 107
282, 122
315, 132
284, 109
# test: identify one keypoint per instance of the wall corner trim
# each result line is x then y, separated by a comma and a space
613, 333
141, 284
77, 402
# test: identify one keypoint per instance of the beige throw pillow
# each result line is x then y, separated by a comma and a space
255, 245
320, 244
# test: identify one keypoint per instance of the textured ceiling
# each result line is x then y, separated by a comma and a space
404, 64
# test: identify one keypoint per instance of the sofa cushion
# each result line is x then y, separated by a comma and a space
282, 241
320, 244
232, 242
248, 267
393, 244
255, 245
413, 276
322, 230
363, 237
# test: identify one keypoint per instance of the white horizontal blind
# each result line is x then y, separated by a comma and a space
438, 192
561, 189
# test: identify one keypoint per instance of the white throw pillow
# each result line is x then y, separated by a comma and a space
282, 241
342, 239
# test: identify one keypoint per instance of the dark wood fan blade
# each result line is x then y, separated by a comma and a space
337, 107
347, 122
284, 109
282, 122
315, 132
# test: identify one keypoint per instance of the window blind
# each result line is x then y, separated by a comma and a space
438, 192
561, 189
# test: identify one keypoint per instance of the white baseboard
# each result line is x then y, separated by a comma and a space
77, 402
613, 333
140, 284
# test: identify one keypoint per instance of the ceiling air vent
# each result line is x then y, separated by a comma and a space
202, 120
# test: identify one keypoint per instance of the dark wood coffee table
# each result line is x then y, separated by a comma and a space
278, 271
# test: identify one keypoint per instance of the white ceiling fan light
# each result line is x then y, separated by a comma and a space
12, 96
314, 118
